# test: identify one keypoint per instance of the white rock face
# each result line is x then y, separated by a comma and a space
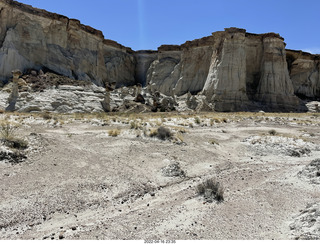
226, 82
275, 88
34, 38
233, 69
65, 99
304, 71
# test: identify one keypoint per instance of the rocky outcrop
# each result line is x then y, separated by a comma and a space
181, 69
231, 70
12, 100
304, 69
275, 88
37, 39
234, 69
225, 86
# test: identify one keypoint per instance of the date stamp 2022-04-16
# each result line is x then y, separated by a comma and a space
160, 242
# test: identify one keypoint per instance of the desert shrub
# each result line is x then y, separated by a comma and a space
7, 133
135, 125
211, 122
7, 130
46, 115
158, 123
211, 189
180, 137
16, 143
153, 132
197, 120
164, 133
114, 132
272, 132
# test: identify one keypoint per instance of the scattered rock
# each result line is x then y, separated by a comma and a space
306, 225
311, 172
140, 99
280, 145
173, 170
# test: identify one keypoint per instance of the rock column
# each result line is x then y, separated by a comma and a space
226, 82
275, 89
15, 91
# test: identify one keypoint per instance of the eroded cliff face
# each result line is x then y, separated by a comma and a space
225, 85
234, 69
230, 70
304, 69
33, 38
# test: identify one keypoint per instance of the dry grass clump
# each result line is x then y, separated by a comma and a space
114, 132
153, 132
179, 138
211, 189
8, 137
46, 115
134, 125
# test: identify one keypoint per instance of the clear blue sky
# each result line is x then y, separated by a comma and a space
146, 24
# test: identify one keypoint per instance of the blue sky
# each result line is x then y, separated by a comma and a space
147, 24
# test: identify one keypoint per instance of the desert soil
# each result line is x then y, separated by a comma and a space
80, 183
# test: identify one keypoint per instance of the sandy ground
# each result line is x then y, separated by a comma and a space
80, 183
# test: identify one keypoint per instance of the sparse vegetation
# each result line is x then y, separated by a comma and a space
197, 120
211, 189
272, 132
46, 115
164, 133
179, 137
8, 137
134, 125
7, 130
211, 122
153, 132
114, 132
